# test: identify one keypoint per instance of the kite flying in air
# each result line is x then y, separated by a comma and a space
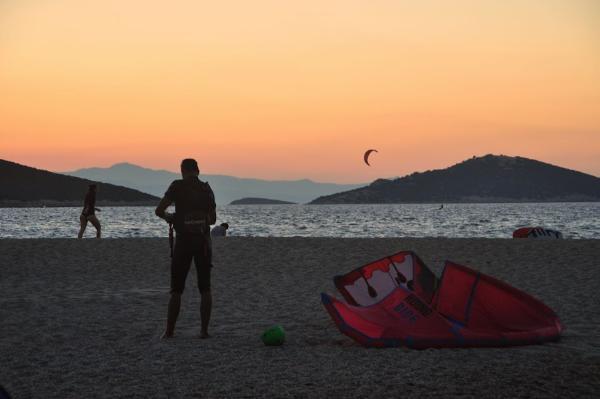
366, 156
398, 301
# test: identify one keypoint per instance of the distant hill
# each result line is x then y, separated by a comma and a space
259, 201
489, 178
25, 186
226, 188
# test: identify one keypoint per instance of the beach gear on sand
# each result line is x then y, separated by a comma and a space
274, 336
537, 232
398, 301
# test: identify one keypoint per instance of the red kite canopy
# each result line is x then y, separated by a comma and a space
398, 301
537, 232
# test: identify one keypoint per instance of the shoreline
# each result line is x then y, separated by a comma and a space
69, 204
519, 241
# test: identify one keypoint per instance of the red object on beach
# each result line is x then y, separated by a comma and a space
465, 308
537, 232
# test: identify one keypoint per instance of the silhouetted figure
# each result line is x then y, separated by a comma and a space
195, 211
442, 206
89, 212
220, 230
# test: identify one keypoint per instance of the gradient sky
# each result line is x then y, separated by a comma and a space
287, 90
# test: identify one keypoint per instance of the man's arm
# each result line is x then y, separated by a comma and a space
162, 208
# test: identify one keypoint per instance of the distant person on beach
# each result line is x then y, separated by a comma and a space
195, 211
89, 212
220, 230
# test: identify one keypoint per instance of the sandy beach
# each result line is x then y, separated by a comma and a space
82, 319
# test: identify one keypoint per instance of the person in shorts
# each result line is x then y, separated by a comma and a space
195, 211
88, 214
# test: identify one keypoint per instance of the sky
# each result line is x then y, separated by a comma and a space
299, 89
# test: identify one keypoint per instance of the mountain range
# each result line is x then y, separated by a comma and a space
226, 188
491, 178
22, 185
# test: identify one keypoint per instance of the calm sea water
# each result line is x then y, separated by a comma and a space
575, 220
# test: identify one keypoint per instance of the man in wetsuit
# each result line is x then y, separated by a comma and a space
195, 211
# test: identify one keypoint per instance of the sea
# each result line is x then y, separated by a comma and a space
574, 220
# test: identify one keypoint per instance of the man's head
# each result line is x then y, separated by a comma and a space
225, 225
92, 187
189, 167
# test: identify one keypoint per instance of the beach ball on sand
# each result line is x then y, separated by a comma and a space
274, 336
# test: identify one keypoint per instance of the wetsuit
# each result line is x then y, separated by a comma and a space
89, 204
194, 204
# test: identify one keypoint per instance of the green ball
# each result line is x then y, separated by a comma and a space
274, 336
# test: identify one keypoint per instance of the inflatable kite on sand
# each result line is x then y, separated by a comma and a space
398, 301
537, 232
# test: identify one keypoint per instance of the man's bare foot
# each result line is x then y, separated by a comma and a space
204, 335
167, 335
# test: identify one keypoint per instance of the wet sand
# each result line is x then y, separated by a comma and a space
82, 319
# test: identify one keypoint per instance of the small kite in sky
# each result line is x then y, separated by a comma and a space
366, 157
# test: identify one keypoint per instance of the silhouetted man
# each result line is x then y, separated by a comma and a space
195, 211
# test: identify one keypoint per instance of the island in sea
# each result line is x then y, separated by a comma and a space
24, 186
490, 178
259, 201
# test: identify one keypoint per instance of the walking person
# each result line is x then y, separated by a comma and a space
89, 212
195, 211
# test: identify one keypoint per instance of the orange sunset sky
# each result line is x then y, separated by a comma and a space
299, 89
